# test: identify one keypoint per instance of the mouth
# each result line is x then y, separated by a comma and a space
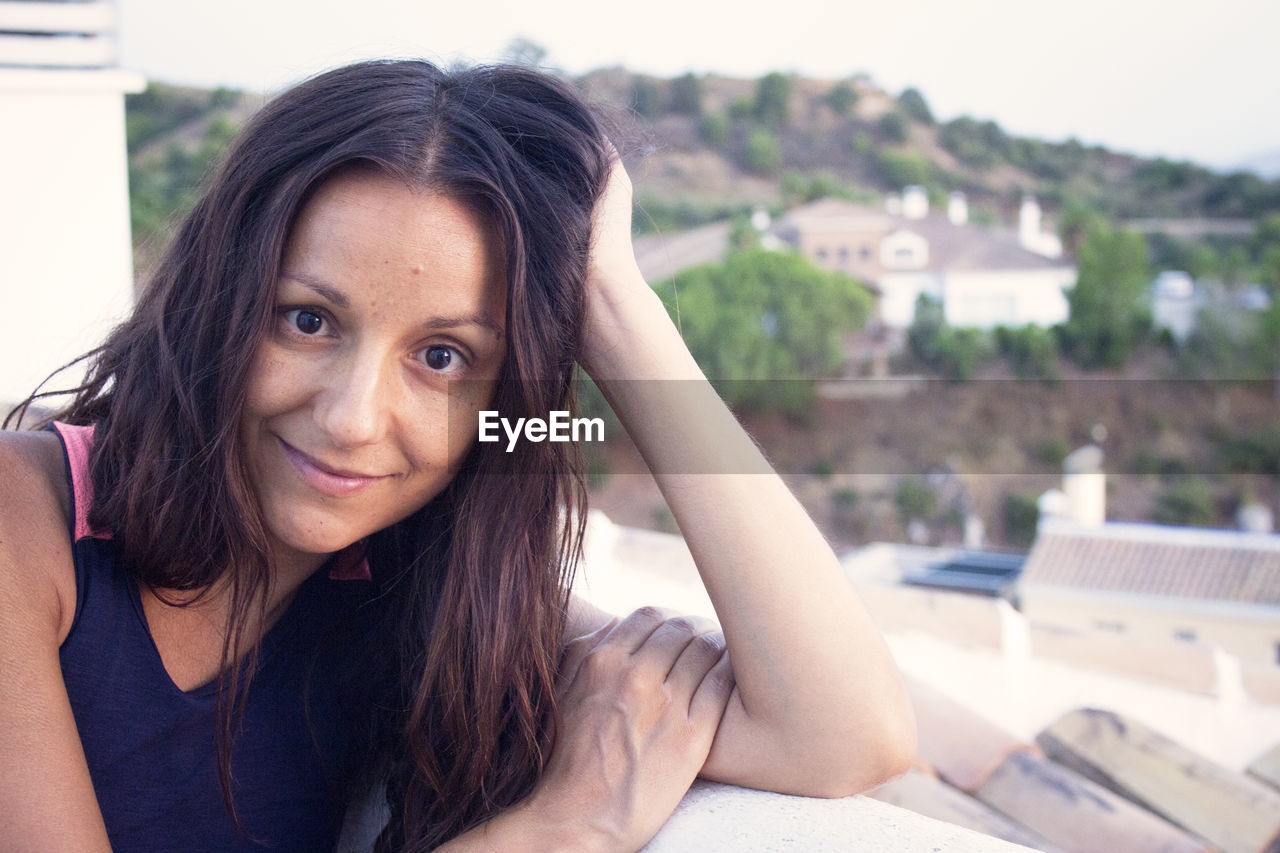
333, 482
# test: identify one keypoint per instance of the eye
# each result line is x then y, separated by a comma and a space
441, 358
305, 321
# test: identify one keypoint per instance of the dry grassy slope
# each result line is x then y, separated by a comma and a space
672, 162
992, 434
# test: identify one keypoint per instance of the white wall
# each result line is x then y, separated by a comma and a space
66, 272
988, 299
898, 294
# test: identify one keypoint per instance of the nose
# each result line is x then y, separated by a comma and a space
355, 407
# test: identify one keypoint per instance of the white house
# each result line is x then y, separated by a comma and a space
984, 277
66, 272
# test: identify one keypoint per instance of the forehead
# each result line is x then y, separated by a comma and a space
362, 229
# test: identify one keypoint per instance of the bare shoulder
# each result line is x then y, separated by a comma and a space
584, 618
37, 576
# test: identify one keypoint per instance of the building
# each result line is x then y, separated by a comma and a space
1216, 588
66, 269
984, 277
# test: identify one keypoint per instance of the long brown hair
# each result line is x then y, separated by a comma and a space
475, 584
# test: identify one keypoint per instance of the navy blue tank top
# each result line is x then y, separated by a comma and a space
151, 748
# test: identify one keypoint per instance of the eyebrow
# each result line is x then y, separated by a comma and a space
340, 299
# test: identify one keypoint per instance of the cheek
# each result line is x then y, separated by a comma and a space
274, 384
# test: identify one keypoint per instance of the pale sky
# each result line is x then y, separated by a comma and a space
1195, 80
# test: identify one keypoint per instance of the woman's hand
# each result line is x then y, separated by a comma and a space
620, 303
640, 701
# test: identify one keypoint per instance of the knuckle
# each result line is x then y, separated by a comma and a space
683, 625
709, 644
649, 614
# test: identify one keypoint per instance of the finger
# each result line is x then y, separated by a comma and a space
631, 633
713, 694
668, 641
576, 651
696, 659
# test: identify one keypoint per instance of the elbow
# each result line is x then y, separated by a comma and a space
883, 748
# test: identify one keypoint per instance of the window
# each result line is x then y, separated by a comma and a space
1107, 625
864, 253
822, 253
1185, 635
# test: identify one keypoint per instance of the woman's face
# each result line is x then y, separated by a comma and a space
356, 413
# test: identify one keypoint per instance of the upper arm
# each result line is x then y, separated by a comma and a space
46, 794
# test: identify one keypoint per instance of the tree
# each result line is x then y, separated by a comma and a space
903, 169
773, 98
762, 155
764, 324
915, 106
1110, 310
686, 95
714, 129
842, 98
893, 127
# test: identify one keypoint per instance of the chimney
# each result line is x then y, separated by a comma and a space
1254, 518
1029, 222
1085, 486
958, 208
915, 202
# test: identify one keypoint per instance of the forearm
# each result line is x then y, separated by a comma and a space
526, 827
811, 670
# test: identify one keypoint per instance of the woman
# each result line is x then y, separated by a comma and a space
294, 570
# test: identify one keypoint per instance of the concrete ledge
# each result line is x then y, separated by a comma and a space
714, 817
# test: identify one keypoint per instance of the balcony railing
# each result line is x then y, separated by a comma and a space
42, 34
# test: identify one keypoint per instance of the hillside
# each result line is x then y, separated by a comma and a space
703, 147
706, 143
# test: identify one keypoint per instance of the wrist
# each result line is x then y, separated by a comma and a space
631, 336
562, 826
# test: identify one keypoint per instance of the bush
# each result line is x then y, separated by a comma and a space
955, 353
1187, 502
762, 155
903, 170
915, 106
1021, 519
842, 98
915, 499
1255, 453
1032, 351
893, 127
714, 129
773, 98
1052, 452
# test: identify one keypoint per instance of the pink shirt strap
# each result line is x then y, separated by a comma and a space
77, 440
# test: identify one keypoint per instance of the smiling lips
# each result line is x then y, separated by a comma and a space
335, 483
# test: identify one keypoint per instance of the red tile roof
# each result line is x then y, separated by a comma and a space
1149, 559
